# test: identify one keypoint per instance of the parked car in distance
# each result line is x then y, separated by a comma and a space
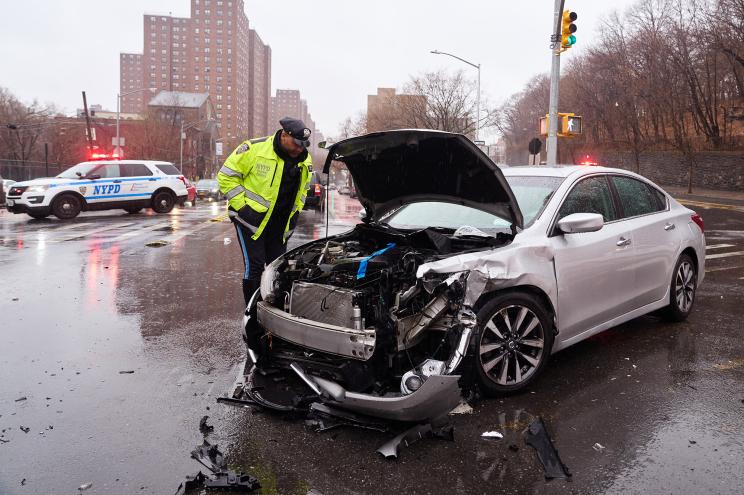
190, 192
315, 192
209, 190
344, 190
464, 274
101, 185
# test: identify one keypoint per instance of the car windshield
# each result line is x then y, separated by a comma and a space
78, 171
206, 183
532, 195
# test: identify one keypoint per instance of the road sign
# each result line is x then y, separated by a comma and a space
535, 146
218, 149
121, 141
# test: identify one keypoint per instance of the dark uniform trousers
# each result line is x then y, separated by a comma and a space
256, 255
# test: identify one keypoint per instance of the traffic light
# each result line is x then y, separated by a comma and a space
568, 28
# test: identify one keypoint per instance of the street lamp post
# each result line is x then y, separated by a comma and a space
118, 107
477, 66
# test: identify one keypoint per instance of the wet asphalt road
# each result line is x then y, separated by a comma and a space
83, 301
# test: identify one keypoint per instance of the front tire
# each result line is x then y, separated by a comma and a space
66, 206
682, 290
163, 202
514, 342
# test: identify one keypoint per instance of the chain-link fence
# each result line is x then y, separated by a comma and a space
18, 170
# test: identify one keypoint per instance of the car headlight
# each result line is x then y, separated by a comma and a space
267, 280
37, 188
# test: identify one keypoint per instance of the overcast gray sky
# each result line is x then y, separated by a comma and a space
334, 51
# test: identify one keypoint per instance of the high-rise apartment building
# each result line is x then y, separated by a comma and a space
289, 103
213, 51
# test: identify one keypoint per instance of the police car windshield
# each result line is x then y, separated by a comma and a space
82, 169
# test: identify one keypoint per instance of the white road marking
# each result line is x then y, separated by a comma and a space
183, 233
722, 268
68, 227
723, 255
719, 246
94, 231
129, 235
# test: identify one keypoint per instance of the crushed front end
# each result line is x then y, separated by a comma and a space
346, 322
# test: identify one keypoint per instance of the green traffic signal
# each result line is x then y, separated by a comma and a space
572, 40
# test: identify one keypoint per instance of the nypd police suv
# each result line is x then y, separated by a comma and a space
101, 185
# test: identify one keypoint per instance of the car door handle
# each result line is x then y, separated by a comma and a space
670, 226
623, 242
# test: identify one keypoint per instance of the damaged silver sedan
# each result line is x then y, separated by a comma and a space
460, 275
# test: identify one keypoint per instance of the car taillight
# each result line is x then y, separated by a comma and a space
699, 221
317, 189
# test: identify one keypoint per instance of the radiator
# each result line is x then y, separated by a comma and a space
323, 303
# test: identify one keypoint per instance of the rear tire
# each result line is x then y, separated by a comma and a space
163, 202
132, 211
682, 290
66, 206
514, 342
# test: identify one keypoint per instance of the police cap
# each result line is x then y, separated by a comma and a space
297, 129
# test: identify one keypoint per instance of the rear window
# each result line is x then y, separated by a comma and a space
168, 169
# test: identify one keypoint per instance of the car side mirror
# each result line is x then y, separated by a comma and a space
577, 223
322, 145
94, 176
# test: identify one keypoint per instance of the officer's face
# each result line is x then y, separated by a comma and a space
288, 143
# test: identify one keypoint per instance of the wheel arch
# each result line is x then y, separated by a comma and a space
165, 189
690, 251
528, 289
83, 202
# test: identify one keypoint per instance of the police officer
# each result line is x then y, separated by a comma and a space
265, 182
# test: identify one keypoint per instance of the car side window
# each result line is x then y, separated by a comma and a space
134, 170
591, 195
636, 197
107, 171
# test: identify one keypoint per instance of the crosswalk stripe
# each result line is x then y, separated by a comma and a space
69, 227
719, 246
94, 231
134, 233
723, 255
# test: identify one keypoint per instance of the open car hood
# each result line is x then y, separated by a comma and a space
394, 168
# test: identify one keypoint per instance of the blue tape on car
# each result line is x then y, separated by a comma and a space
362, 272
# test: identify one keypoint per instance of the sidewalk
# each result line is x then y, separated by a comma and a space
706, 195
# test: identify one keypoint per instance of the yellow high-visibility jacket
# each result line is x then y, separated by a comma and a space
251, 176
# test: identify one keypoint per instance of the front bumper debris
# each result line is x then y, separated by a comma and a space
333, 339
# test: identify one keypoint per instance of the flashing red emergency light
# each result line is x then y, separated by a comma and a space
104, 156
588, 161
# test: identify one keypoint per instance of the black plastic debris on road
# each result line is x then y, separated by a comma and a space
205, 428
221, 479
21, 399
25, 429
536, 436
126, 372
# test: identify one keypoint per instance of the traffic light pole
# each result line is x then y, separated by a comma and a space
555, 76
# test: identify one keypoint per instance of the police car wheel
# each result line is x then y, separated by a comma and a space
163, 202
66, 206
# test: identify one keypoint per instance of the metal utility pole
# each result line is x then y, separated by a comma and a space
87, 123
555, 76
46, 159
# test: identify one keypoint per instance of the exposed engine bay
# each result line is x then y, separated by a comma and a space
349, 317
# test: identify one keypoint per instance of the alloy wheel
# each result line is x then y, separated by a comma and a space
684, 286
511, 345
